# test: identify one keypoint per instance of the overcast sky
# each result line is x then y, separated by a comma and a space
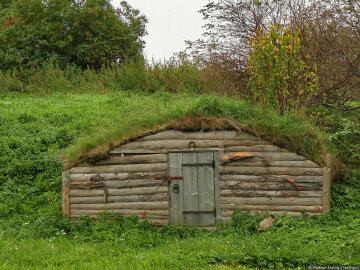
170, 23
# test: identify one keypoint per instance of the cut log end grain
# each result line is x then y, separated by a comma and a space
236, 156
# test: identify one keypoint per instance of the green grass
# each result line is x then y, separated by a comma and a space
36, 129
291, 131
290, 243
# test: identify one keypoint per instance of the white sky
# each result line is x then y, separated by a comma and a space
171, 22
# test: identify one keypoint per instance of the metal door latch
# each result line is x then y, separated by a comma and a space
176, 188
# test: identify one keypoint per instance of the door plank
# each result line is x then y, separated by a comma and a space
176, 199
206, 188
191, 194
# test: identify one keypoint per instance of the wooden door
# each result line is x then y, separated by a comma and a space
192, 188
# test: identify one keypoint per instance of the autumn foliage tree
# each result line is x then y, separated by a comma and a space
278, 74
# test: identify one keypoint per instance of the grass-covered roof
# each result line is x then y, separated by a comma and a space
202, 113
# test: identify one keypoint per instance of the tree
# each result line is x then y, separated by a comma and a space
329, 31
278, 74
84, 32
232, 23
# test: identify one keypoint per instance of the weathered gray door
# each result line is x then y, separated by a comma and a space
192, 188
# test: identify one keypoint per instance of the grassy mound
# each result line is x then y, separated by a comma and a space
204, 113
35, 130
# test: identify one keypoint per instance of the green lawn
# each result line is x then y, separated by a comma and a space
35, 130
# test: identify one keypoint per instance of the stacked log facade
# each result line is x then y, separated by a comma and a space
133, 180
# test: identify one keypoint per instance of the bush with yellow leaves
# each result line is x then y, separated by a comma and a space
278, 74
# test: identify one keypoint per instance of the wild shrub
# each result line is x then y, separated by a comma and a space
278, 74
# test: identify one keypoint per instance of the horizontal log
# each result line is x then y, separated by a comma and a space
169, 144
116, 152
157, 221
152, 167
87, 193
158, 151
244, 142
300, 208
271, 178
245, 163
270, 193
137, 191
293, 214
123, 183
161, 205
255, 148
209, 135
118, 176
294, 163
228, 219
270, 170
119, 192
117, 199
270, 201
135, 183
264, 163
276, 156
133, 159
124, 212
276, 186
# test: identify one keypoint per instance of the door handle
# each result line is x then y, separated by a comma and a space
176, 188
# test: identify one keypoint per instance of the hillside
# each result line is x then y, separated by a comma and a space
39, 131
75, 83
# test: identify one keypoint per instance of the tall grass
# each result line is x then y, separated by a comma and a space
172, 76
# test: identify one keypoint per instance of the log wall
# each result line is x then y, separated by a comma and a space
132, 181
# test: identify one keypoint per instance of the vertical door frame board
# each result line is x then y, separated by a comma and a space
181, 187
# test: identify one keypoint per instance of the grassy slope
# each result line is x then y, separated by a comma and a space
35, 128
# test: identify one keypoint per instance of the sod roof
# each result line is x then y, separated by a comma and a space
210, 112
